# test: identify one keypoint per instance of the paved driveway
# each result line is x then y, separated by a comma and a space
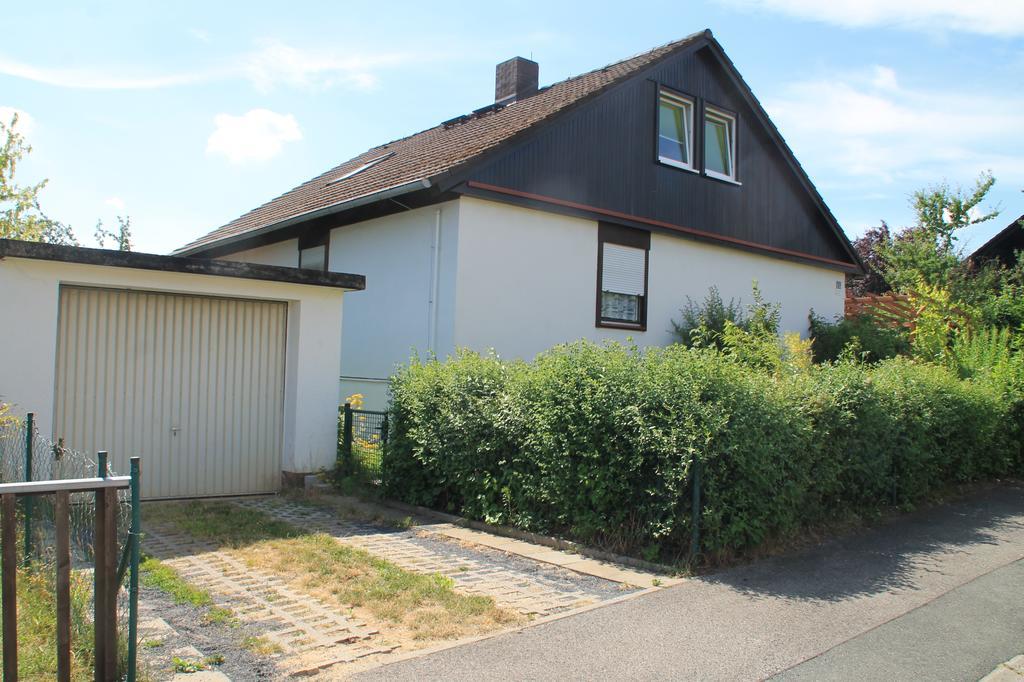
935, 595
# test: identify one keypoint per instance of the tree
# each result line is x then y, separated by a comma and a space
927, 252
20, 215
869, 247
122, 238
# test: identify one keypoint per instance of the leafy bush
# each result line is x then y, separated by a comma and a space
710, 316
707, 324
873, 343
980, 352
599, 442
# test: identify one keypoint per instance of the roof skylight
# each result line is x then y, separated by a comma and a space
356, 171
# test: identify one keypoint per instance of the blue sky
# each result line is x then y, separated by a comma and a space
186, 115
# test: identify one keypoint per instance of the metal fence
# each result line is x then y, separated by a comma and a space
26, 456
362, 436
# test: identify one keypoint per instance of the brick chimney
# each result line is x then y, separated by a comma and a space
515, 79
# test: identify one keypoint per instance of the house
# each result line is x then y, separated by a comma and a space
590, 208
219, 375
1003, 247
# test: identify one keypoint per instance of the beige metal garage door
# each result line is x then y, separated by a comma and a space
192, 384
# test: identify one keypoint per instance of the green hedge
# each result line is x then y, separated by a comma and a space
597, 442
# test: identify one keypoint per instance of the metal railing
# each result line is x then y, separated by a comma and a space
362, 437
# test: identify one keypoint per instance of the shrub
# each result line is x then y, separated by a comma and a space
873, 342
710, 317
599, 442
707, 324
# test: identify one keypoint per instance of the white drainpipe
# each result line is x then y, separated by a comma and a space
435, 277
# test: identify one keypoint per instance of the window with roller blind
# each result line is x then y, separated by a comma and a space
622, 260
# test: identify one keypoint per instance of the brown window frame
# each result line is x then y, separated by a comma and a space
609, 233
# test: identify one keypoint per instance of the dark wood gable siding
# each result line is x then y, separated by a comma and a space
604, 155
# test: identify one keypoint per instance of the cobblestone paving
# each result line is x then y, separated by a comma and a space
526, 586
311, 634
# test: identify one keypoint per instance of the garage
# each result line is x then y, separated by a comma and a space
195, 382
221, 376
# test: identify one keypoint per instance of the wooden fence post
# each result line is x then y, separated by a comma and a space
63, 541
9, 537
105, 581
110, 575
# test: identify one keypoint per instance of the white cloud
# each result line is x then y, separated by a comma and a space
26, 124
201, 35
117, 203
257, 135
865, 125
986, 17
90, 80
278, 64
885, 78
272, 64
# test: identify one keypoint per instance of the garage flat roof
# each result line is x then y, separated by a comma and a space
12, 248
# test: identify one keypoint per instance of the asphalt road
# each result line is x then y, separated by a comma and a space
936, 595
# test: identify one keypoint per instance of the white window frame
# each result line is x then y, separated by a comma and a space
720, 116
688, 105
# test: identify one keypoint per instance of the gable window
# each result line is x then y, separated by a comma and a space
719, 144
675, 129
622, 260
313, 252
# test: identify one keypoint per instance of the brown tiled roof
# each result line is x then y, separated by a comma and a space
433, 151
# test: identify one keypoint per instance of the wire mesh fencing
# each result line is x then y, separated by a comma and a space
362, 436
27, 456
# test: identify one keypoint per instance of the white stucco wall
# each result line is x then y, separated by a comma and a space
285, 254
526, 281
391, 319
29, 306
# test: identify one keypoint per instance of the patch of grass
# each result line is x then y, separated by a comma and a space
214, 659
187, 665
426, 605
154, 643
156, 574
37, 624
220, 616
224, 523
261, 646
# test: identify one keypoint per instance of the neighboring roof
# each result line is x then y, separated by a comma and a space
10, 248
418, 158
1004, 245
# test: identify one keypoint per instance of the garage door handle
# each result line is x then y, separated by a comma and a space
174, 430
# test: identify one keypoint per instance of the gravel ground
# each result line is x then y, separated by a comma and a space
188, 629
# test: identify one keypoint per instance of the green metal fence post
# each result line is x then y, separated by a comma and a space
133, 576
101, 464
384, 430
894, 477
695, 509
30, 420
346, 448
